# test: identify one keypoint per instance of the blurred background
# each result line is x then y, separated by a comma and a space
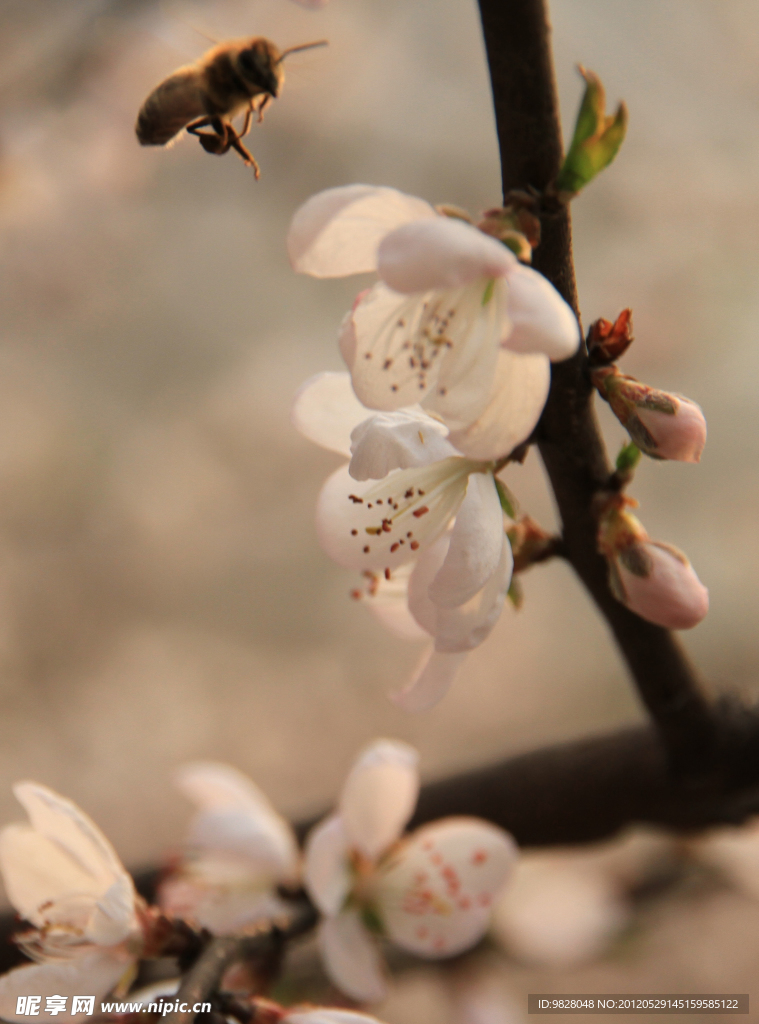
162, 594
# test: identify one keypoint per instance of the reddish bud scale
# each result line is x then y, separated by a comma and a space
608, 341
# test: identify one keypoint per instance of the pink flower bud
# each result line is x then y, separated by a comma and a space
679, 435
663, 425
657, 582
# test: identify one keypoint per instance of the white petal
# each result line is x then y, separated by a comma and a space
211, 786
438, 348
440, 254
237, 817
430, 683
114, 915
61, 854
326, 871
459, 629
94, 974
396, 440
221, 908
336, 232
476, 545
328, 1015
463, 628
265, 840
224, 913
351, 958
37, 871
60, 820
423, 573
519, 392
542, 320
346, 338
326, 410
558, 913
398, 620
387, 600
436, 893
379, 796
379, 526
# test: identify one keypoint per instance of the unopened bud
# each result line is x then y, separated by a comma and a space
654, 580
608, 341
679, 435
663, 425
659, 584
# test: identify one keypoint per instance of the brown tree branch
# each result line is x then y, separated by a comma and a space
517, 39
589, 789
263, 951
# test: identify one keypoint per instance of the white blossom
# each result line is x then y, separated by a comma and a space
422, 523
430, 893
450, 301
62, 875
564, 907
240, 849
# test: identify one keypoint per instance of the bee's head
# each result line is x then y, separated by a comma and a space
260, 65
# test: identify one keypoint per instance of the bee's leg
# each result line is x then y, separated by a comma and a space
246, 122
221, 140
262, 107
218, 141
250, 160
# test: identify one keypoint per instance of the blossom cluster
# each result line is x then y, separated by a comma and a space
448, 358
430, 892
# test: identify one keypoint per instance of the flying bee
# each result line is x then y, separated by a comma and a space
242, 75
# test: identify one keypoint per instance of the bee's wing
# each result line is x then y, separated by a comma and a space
170, 106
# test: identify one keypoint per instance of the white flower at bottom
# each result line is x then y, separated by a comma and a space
430, 893
240, 850
565, 907
63, 876
560, 912
449, 300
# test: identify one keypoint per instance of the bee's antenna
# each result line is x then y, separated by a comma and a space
200, 32
172, 15
303, 46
